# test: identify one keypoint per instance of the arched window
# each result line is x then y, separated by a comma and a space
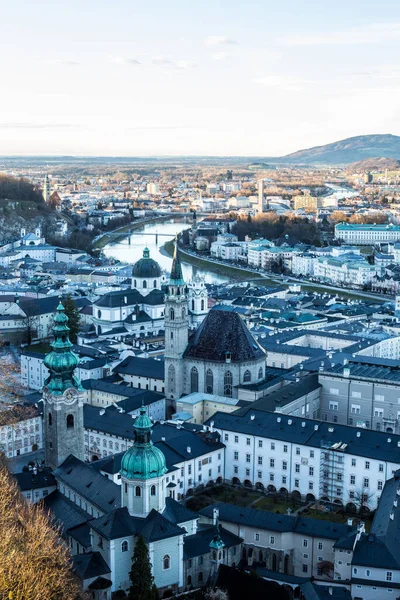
70, 421
202, 305
50, 419
124, 546
228, 384
171, 378
209, 382
260, 373
134, 283
183, 312
155, 283
192, 304
189, 580
201, 576
138, 491
153, 490
214, 555
172, 314
194, 380
166, 562
99, 314
144, 284
247, 376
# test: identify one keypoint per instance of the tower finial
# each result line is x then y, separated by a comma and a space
176, 270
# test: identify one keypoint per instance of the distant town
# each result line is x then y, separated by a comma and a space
204, 356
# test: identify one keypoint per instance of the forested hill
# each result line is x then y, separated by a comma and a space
348, 151
22, 206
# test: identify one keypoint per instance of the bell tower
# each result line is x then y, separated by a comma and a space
176, 331
62, 398
143, 469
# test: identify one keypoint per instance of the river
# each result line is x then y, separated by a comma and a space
131, 252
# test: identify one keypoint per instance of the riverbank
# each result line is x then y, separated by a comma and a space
210, 265
275, 281
109, 236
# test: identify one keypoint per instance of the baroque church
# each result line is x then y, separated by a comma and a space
101, 520
220, 355
140, 310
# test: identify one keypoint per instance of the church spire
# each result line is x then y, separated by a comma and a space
61, 361
176, 270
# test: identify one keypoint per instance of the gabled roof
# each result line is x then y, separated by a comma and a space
177, 513
199, 543
157, 527
116, 524
65, 513
260, 519
90, 565
223, 331
142, 367
89, 483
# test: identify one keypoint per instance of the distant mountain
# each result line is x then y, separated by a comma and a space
347, 151
374, 164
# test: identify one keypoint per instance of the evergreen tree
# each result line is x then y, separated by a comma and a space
142, 580
74, 318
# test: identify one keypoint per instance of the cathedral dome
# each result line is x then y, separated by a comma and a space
146, 267
143, 460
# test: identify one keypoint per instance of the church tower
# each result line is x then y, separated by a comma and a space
46, 189
62, 398
198, 301
143, 469
176, 331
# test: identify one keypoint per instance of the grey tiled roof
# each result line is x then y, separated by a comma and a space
176, 512
199, 543
251, 517
90, 565
223, 331
142, 367
89, 483
157, 527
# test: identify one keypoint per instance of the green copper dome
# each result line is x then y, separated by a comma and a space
143, 460
61, 361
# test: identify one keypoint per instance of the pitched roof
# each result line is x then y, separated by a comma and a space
223, 331
199, 543
176, 512
116, 524
66, 514
142, 367
157, 527
89, 483
270, 521
90, 565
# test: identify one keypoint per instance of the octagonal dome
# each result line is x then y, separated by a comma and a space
146, 267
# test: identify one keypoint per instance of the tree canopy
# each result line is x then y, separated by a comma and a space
13, 188
34, 564
142, 580
74, 318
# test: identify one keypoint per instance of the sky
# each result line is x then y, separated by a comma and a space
217, 77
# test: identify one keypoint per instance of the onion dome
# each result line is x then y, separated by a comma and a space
61, 361
143, 460
146, 267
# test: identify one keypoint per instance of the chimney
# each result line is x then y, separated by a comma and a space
346, 372
188, 450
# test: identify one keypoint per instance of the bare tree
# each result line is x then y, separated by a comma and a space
35, 564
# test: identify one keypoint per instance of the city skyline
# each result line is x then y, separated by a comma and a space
101, 79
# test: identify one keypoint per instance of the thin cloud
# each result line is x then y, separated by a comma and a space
292, 84
37, 125
68, 63
219, 55
186, 64
161, 127
120, 60
374, 33
161, 60
219, 40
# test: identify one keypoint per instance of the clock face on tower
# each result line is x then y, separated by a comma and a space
70, 395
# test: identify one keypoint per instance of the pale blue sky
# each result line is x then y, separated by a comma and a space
119, 77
